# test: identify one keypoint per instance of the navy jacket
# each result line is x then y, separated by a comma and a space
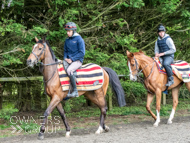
163, 47
74, 48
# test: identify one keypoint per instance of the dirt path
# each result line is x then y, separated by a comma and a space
141, 132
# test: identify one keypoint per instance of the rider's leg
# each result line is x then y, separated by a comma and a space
167, 61
73, 67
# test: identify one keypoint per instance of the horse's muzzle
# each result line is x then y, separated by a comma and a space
133, 78
30, 63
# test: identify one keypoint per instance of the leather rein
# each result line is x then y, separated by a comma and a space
138, 73
41, 67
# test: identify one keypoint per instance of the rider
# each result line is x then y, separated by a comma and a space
74, 51
165, 49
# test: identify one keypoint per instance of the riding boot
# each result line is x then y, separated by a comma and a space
170, 81
73, 83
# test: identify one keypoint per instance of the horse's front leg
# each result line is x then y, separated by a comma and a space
158, 102
62, 114
54, 102
150, 97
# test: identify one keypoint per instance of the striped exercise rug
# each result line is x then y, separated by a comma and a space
89, 77
180, 68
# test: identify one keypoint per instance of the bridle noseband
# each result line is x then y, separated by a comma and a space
138, 73
41, 67
38, 58
137, 69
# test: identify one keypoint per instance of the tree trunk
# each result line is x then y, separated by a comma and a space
1, 97
28, 97
19, 99
110, 105
37, 97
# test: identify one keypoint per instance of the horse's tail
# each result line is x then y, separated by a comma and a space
116, 86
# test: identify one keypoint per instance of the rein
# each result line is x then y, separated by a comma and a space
41, 67
138, 73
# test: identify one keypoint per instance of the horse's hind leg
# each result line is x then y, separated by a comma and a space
175, 102
187, 84
103, 110
99, 99
62, 114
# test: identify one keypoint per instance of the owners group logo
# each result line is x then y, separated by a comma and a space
27, 124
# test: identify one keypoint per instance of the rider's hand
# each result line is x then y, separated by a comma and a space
161, 54
156, 55
69, 61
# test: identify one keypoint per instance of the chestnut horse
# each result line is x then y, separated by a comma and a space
42, 51
154, 82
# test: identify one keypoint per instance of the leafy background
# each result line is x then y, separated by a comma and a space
109, 28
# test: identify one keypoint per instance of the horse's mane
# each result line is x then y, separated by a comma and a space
139, 53
51, 51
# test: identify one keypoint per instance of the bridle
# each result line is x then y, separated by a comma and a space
38, 57
41, 67
139, 72
137, 69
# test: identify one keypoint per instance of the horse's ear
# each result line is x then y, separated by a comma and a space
36, 39
129, 54
44, 40
141, 51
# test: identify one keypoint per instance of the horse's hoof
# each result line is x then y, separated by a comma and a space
99, 131
68, 134
106, 129
155, 124
169, 122
40, 136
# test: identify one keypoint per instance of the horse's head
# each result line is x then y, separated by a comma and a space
38, 52
133, 66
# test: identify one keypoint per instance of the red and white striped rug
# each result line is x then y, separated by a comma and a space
180, 68
89, 77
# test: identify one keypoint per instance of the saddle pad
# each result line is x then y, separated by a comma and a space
88, 77
180, 68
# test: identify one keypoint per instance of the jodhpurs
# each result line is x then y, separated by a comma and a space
167, 61
73, 67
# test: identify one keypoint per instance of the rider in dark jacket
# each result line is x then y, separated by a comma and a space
74, 51
165, 49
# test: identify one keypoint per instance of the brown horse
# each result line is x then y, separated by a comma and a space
42, 51
154, 82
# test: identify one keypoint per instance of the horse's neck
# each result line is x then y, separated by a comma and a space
146, 66
48, 70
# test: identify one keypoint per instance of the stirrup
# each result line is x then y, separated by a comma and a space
73, 94
170, 83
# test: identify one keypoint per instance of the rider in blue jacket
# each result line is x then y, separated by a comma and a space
74, 51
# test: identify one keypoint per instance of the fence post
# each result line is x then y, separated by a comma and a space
110, 99
1, 97
164, 99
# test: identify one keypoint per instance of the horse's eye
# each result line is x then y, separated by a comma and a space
40, 48
133, 65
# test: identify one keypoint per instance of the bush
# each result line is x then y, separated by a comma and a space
7, 113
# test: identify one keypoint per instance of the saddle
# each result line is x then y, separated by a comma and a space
180, 68
88, 77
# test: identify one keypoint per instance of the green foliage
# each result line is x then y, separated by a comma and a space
109, 28
28, 127
127, 111
164, 111
76, 102
126, 41
2, 127
7, 113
